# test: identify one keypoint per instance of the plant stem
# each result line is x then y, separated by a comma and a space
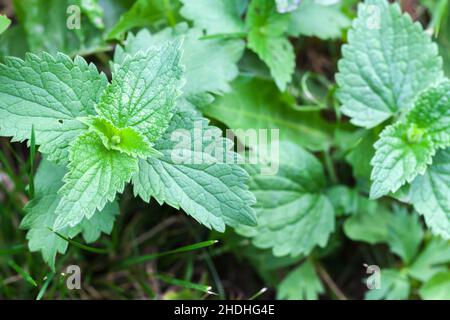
329, 282
330, 166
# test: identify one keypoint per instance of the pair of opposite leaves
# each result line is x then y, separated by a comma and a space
110, 133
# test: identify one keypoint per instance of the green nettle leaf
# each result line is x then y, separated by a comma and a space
143, 91
402, 153
101, 222
126, 140
430, 194
215, 16
41, 216
431, 115
293, 214
267, 39
394, 286
302, 283
209, 64
4, 23
95, 175
257, 104
406, 148
59, 98
437, 288
49, 93
191, 176
388, 61
110, 131
318, 20
311, 159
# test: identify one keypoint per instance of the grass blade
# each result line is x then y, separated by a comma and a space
149, 257
258, 294
14, 249
224, 36
185, 284
25, 275
48, 279
81, 246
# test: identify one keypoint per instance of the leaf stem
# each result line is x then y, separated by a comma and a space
141, 259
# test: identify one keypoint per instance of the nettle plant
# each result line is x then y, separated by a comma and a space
391, 83
98, 136
391, 72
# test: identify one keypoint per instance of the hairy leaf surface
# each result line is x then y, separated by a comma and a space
48, 93
430, 194
209, 64
388, 61
126, 140
41, 216
95, 175
191, 176
143, 91
431, 114
401, 154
